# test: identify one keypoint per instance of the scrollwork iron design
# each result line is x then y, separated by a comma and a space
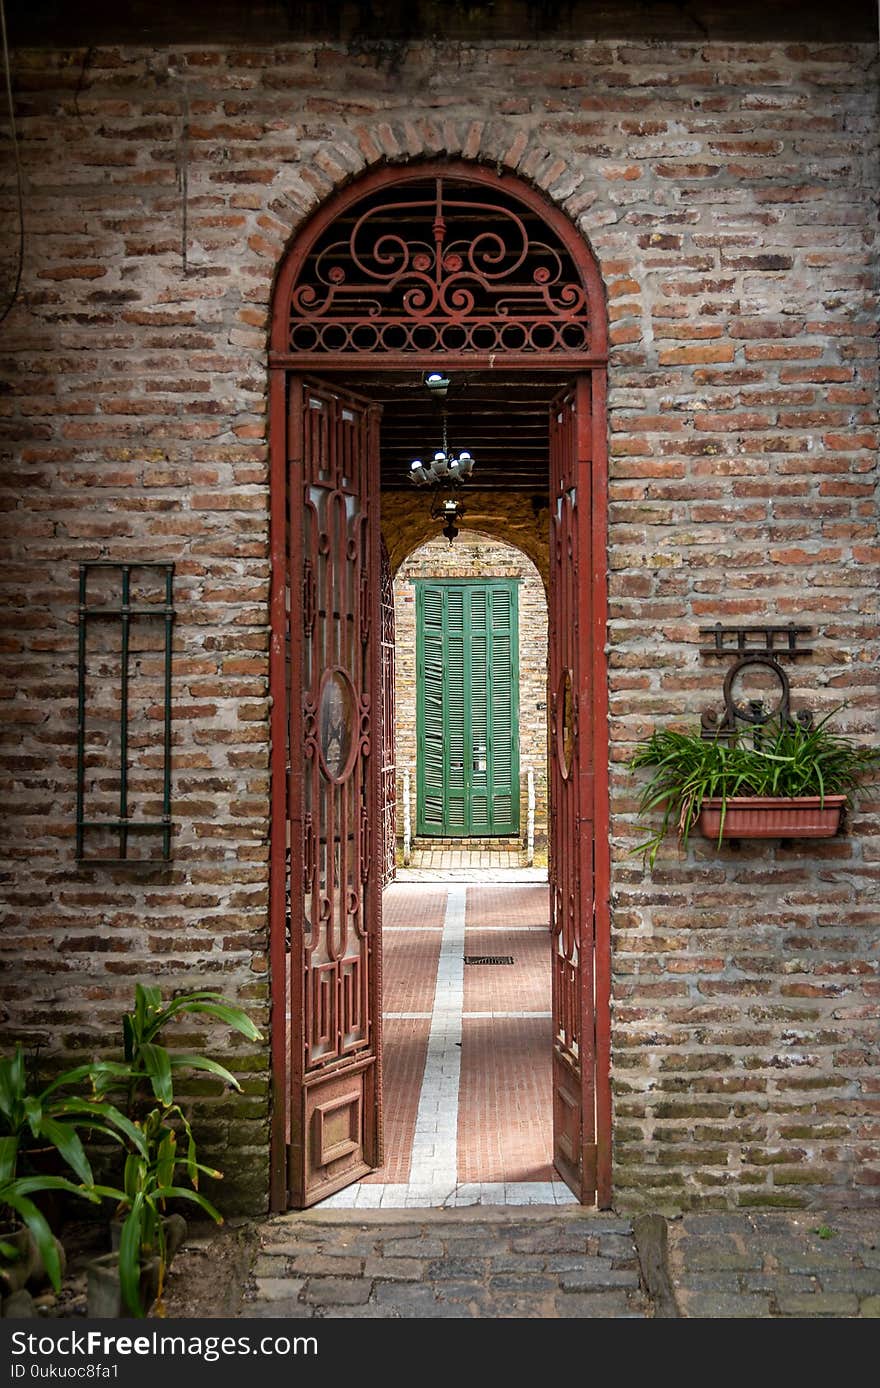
440, 270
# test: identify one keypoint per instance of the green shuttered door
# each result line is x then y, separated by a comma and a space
467, 708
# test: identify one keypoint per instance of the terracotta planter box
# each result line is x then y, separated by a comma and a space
769, 817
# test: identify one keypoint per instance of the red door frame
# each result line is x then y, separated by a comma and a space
282, 361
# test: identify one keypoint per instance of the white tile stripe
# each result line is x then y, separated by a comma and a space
434, 1160
399, 1196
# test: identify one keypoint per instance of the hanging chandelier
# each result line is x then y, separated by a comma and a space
446, 469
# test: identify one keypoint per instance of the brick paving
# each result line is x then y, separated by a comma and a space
504, 1121
409, 967
467, 1078
493, 904
523, 987
471, 1264
406, 1046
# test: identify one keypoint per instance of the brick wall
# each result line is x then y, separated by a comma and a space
472, 557
728, 190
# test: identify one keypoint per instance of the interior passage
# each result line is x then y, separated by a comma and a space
467, 1074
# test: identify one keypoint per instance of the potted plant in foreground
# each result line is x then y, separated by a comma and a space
132, 1277
40, 1127
162, 1163
777, 779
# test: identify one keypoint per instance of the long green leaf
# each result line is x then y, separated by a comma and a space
130, 1241
157, 1064
8, 1157
181, 1193
42, 1234
214, 1005
31, 1185
104, 1072
113, 1116
166, 1157
203, 1062
70, 1078
7, 1086
63, 1136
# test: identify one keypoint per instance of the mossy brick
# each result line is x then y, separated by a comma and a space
808, 1176
394, 1269
817, 1304
414, 1247
718, 1255
773, 1200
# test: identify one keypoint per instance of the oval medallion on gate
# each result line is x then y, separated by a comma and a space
337, 745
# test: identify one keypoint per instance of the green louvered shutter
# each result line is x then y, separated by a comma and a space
467, 709
455, 710
432, 776
503, 732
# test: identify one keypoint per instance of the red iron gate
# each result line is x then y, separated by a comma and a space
389, 767
572, 863
333, 1015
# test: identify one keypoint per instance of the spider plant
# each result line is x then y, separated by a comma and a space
776, 758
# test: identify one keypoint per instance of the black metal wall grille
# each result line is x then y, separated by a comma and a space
123, 768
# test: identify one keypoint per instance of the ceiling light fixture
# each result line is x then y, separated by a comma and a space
445, 468
449, 510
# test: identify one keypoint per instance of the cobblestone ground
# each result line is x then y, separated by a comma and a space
758, 1265
428, 1263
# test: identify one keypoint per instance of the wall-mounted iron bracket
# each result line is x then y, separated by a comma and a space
756, 688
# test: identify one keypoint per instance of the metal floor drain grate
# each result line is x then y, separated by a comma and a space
488, 958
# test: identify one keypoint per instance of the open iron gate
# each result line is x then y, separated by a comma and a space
332, 1023
572, 819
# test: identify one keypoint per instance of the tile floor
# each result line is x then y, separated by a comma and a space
467, 1047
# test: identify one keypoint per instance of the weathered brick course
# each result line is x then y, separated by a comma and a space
728, 190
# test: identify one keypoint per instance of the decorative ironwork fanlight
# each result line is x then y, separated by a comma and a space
440, 265
446, 469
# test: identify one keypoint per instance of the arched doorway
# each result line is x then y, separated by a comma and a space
463, 268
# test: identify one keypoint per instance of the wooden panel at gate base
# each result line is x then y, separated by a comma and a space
335, 1138
568, 1134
